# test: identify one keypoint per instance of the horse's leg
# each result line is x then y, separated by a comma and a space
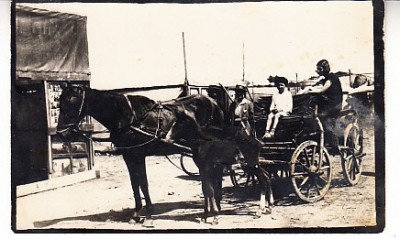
207, 205
218, 189
210, 206
266, 188
141, 176
144, 186
129, 161
217, 195
262, 202
270, 195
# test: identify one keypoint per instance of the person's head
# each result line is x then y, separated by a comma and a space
240, 92
281, 83
323, 67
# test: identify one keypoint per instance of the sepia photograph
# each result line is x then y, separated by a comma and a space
200, 116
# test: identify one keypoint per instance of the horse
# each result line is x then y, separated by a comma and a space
136, 124
211, 152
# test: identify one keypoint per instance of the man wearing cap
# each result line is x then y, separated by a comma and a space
242, 108
281, 105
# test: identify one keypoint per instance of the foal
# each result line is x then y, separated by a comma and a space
211, 152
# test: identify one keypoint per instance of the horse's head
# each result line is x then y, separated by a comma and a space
72, 101
249, 146
201, 118
184, 127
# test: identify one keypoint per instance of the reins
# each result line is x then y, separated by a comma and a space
153, 137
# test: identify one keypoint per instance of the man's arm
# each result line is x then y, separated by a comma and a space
324, 88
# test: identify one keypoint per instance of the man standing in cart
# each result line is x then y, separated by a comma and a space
242, 109
330, 97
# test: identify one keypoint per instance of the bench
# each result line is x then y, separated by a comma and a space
289, 127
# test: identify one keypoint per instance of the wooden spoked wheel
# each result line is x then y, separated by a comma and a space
351, 154
310, 174
239, 177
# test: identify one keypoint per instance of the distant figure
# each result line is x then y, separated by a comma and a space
361, 96
242, 109
281, 105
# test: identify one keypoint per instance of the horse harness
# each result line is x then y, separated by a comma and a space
152, 133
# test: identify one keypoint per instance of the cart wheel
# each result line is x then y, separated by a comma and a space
351, 154
188, 165
239, 177
310, 175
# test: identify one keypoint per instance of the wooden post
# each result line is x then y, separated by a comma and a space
243, 62
49, 141
184, 54
349, 77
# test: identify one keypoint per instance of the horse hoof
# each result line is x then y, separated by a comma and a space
267, 210
136, 214
215, 221
149, 223
258, 214
203, 220
132, 222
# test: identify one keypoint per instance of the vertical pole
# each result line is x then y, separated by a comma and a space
184, 55
350, 77
49, 140
243, 62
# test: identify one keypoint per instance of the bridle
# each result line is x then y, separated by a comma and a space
74, 125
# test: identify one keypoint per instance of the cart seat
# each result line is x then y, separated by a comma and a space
299, 121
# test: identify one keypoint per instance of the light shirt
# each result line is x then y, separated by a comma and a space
244, 108
282, 102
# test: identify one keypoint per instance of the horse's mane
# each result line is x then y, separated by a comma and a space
141, 105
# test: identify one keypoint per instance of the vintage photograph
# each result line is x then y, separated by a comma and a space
197, 117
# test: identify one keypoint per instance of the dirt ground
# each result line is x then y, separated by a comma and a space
107, 202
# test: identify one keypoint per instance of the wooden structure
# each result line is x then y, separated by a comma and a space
51, 48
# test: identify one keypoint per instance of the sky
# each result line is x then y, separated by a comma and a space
135, 45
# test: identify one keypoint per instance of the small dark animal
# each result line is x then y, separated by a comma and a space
212, 151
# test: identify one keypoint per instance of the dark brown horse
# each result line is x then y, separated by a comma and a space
136, 124
212, 151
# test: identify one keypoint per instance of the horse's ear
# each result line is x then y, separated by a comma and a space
180, 113
64, 85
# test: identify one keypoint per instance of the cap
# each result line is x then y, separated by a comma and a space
240, 88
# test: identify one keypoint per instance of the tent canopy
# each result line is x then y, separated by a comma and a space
51, 45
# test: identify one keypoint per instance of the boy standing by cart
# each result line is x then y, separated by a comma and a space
281, 105
242, 109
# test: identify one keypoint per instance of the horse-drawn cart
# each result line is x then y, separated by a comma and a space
302, 151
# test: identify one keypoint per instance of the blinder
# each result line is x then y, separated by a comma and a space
72, 126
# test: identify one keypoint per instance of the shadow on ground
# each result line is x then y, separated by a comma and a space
235, 201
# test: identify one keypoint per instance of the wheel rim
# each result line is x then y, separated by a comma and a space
239, 177
351, 163
310, 177
188, 165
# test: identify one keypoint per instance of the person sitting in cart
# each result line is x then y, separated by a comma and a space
242, 108
329, 101
281, 105
330, 95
